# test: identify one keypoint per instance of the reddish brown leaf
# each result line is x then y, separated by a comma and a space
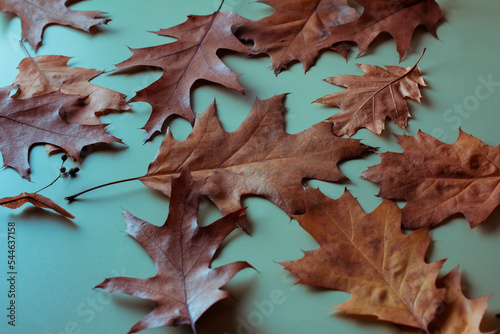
368, 256
259, 158
193, 57
440, 180
36, 15
295, 30
398, 18
370, 98
24, 123
185, 285
37, 200
69, 80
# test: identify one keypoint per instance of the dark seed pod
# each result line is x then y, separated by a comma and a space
62, 170
64, 157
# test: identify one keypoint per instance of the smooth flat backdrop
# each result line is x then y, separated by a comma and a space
60, 261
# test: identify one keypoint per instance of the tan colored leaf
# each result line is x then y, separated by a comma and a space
398, 18
259, 158
57, 75
370, 98
36, 15
37, 200
185, 286
295, 30
25, 123
457, 315
192, 58
439, 180
368, 256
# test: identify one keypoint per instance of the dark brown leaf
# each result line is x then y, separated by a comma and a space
259, 158
398, 18
193, 57
25, 123
185, 285
440, 180
295, 30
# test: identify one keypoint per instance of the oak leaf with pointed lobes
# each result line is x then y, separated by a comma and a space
439, 180
296, 28
398, 18
57, 75
35, 15
185, 285
368, 256
458, 315
371, 98
259, 158
37, 200
191, 58
25, 123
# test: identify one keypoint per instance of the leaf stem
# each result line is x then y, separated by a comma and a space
218, 10
36, 64
73, 197
51, 183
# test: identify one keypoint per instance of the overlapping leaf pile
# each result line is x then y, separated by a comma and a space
366, 255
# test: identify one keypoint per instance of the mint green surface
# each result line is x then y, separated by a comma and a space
60, 261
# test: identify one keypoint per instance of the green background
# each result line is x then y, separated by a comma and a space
60, 261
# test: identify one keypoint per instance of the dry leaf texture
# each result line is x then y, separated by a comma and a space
24, 123
398, 18
37, 14
370, 98
440, 180
193, 57
368, 256
259, 158
295, 30
57, 75
185, 285
37, 200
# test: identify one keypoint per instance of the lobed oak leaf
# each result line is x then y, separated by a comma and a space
398, 18
368, 256
295, 30
192, 58
370, 98
259, 158
458, 315
44, 74
185, 285
439, 180
25, 123
37, 200
35, 15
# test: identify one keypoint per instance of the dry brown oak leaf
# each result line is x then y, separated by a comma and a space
398, 18
368, 256
25, 123
458, 315
296, 28
185, 286
37, 200
259, 158
44, 74
35, 15
192, 58
371, 98
439, 180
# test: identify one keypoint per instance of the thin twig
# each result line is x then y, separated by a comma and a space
57, 178
36, 64
73, 197
220, 7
